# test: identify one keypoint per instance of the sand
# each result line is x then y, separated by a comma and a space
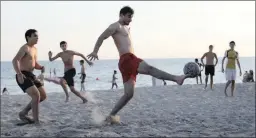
166, 111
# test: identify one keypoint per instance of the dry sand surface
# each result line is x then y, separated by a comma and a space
169, 111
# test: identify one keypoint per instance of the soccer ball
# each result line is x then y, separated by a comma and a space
191, 69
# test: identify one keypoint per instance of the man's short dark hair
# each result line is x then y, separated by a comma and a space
125, 10
29, 32
210, 46
196, 59
63, 42
232, 42
82, 61
114, 71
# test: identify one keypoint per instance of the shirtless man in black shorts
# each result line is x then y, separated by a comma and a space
24, 64
67, 57
210, 66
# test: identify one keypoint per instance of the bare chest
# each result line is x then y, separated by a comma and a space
30, 54
67, 57
124, 31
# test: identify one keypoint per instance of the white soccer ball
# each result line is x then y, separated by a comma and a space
192, 69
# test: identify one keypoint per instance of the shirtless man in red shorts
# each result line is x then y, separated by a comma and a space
129, 64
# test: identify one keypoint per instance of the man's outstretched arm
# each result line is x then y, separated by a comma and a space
106, 34
81, 55
54, 58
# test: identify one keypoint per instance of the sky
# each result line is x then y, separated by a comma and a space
160, 29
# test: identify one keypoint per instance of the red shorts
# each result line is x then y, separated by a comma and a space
128, 65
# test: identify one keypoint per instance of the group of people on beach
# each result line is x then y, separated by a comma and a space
26, 61
230, 68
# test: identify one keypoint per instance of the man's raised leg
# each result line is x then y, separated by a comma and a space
147, 69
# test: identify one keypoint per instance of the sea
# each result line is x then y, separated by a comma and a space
99, 76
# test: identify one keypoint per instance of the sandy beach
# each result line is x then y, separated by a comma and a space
166, 111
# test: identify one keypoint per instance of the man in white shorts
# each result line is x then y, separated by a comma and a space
232, 57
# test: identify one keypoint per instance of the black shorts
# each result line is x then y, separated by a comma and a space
199, 74
209, 69
69, 76
29, 81
83, 77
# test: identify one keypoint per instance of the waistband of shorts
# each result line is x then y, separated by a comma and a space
70, 70
126, 54
26, 72
210, 65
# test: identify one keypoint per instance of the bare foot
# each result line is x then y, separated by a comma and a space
37, 123
113, 119
225, 93
180, 79
24, 117
67, 99
85, 100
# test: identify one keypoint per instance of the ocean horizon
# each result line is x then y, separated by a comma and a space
103, 70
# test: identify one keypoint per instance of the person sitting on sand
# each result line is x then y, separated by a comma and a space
24, 63
67, 57
129, 64
250, 76
245, 76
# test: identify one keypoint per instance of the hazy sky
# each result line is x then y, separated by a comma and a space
163, 29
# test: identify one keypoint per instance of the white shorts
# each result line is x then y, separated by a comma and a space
230, 74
